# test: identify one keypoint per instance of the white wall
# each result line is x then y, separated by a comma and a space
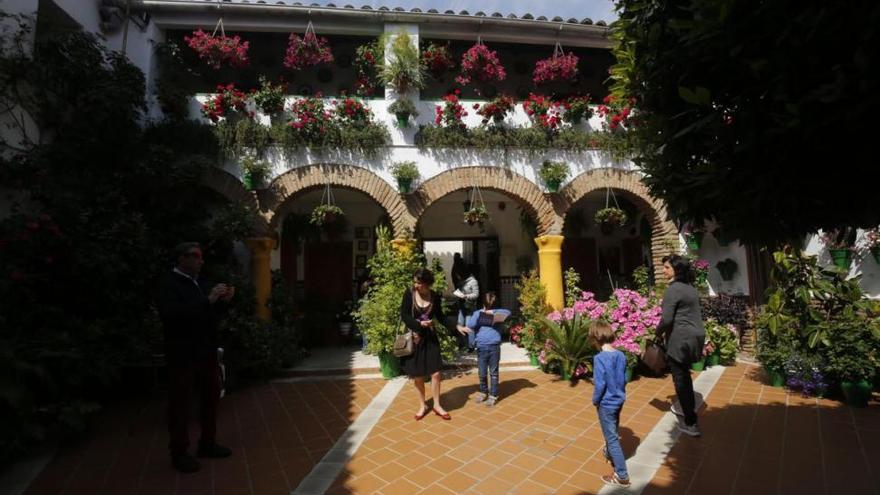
863, 264
713, 252
444, 251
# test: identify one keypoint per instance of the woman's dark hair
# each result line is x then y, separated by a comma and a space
684, 272
424, 276
489, 299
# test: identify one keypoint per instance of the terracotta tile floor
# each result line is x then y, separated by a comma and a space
541, 438
762, 440
277, 432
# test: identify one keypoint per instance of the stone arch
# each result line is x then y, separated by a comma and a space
496, 178
360, 179
228, 186
663, 232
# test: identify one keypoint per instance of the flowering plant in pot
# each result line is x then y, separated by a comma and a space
310, 118
542, 111
437, 60
496, 109
477, 214
227, 101
451, 113
308, 51
806, 373
617, 112
351, 111
269, 98
559, 67
367, 61
325, 214
403, 108
254, 172
871, 242
482, 64
724, 340
568, 344
219, 50
840, 243
553, 173
405, 173
611, 216
577, 109
727, 267
701, 267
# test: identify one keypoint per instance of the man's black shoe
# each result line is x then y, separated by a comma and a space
185, 463
214, 451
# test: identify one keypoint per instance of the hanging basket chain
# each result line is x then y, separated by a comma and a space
609, 194
328, 196
219, 21
310, 28
558, 51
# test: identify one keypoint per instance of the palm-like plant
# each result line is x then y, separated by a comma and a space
569, 343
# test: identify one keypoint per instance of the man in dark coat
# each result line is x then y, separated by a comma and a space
190, 314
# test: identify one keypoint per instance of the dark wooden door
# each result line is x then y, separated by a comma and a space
328, 279
580, 254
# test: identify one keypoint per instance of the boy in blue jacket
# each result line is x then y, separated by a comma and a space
486, 323
609, 380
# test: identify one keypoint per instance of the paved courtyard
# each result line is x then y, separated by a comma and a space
541, 438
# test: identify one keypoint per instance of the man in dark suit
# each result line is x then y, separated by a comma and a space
190, 314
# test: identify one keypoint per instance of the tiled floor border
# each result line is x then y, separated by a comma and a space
651, 453
375, 376
328, 468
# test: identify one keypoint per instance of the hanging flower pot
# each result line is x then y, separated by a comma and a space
476, 215
220, 49
693, 240
496, 109
480, 63
841, 257
308, 51
405, 173
437, 60
326, 213
402, 108
553, 173
611, 216
559, 67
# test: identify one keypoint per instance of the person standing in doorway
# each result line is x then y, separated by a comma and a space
190, 314
682, 325
467, 295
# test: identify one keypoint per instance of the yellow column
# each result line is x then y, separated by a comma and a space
550, 268
261, 273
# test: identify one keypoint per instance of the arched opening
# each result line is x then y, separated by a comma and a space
605, 255
326, 264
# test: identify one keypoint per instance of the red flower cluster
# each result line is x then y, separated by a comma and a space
219, 49
451, 113
307, 51
577, 108
617, 113
437, 59
366, 63
309, 116
352, 110
556, 68
481, 64
495, 109
543, 111
227, 99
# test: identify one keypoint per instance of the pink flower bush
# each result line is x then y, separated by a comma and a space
482, 64
217, 50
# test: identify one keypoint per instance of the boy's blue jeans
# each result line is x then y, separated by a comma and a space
488, 358
609, 419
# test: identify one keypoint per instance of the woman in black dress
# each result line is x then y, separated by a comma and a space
420, 307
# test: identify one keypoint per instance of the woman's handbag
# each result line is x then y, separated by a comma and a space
403, 343
654, 358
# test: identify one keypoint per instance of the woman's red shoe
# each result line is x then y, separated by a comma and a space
445, 416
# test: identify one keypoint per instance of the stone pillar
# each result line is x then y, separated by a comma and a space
261, 273
550, 268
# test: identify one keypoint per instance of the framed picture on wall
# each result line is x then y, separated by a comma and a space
363, 245
360, 261
362, 232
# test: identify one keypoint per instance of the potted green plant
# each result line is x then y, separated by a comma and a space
871, 242
254, 172
610, 217
405, 173
727, 268
477, 214
693, 235
569, 344
402, 70
553, 173
852, 357
403, 108
840, 244
776, 340
724, 340
269, 98
326, 214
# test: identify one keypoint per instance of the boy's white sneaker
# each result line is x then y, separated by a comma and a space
691, 430
490, 401
480, 398
676, 409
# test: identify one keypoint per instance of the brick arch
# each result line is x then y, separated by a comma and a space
229, 187
494, 178
296, 180
663, 231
